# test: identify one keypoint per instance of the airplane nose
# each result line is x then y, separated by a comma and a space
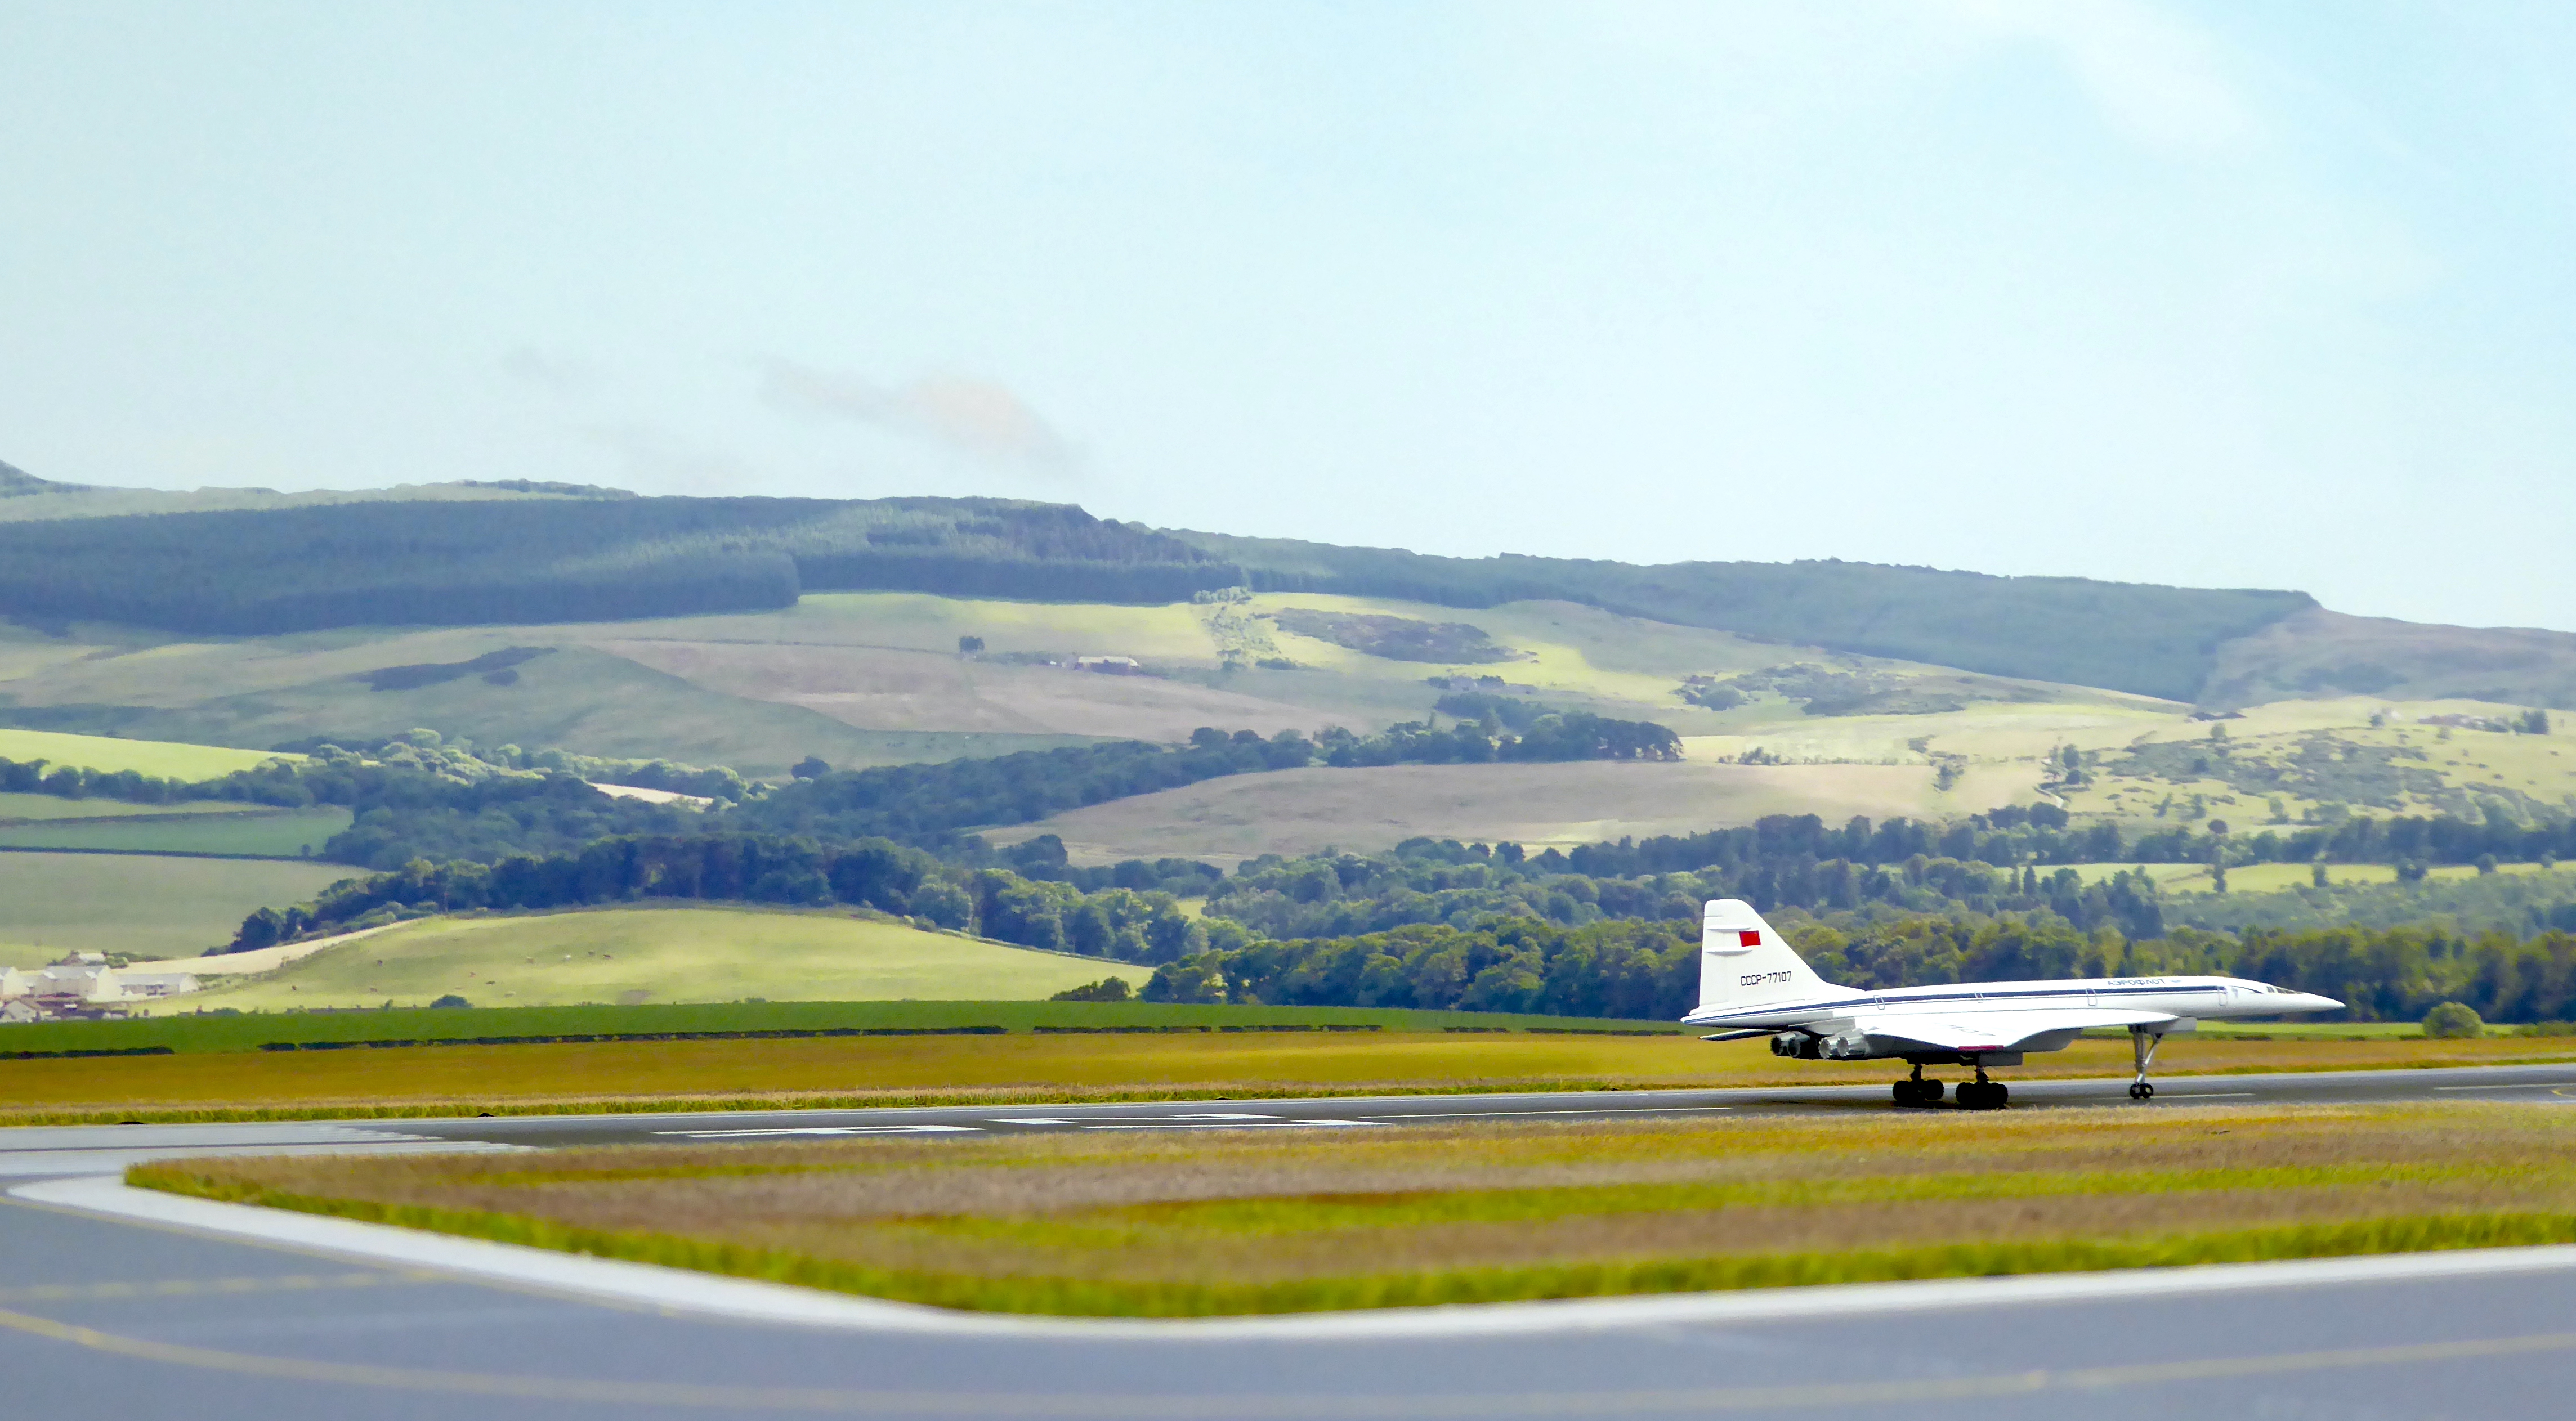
2325, 1003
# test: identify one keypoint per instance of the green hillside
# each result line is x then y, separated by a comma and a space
279, 833
147, 906
552, 555
175, 758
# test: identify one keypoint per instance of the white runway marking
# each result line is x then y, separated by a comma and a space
1230, 1124
826, 1130
1597, 1110
2517, 1085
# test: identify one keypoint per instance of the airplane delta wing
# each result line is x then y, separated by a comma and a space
1998, 1032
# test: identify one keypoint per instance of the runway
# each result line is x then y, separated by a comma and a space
108, 1319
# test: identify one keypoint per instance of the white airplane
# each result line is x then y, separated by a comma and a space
1752, 983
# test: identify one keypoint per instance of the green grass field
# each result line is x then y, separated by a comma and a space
158, 758
51, 904
51, 809
217, 1032
637, 955
1234, 1222
292, 833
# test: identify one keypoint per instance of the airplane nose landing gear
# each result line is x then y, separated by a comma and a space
2143, 1044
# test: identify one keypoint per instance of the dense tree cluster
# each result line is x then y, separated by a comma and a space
1423, 882
403, 817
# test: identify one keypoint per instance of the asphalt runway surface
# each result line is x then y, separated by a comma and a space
101, 1318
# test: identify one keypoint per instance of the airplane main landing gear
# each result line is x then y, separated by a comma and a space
1917, 1091
2143, 1044
1983, 1094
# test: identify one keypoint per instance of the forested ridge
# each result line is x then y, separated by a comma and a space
2157, 641
594, 555
464, 563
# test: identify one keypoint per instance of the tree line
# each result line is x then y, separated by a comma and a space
1650, 970
1475, 931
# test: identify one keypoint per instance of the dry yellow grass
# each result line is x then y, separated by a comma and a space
861, 1070
1237, 1220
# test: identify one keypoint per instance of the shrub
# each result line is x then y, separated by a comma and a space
1107, 989
451, 1000
2453, 1021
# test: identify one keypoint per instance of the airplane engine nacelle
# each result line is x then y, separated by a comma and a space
1797, 1044
1850, 1046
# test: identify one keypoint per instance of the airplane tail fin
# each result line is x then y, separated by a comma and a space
1744, 961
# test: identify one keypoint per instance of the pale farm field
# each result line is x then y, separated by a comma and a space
1304, 811
658, 954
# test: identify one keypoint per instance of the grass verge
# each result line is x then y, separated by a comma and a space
1234, 1222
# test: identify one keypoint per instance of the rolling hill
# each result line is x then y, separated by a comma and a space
755, 633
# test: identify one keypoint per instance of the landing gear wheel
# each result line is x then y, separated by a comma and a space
1980, 1095
2141, 1090
1928, 1092
2002, 1095
1905, 1092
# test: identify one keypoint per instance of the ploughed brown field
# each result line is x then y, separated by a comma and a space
1224, 1221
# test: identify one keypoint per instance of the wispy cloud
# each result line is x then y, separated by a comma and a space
978, 418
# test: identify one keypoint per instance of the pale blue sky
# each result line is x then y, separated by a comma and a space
2247, 294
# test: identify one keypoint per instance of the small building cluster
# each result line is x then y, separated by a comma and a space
82, 987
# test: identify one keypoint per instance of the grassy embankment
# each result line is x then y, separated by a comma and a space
1240, 1222
221, 1075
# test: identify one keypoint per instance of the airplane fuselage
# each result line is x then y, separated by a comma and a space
1841, 1020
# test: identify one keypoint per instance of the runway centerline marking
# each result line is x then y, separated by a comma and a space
1231, 1124
826, 1130
1598, 1110
1104, 1119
